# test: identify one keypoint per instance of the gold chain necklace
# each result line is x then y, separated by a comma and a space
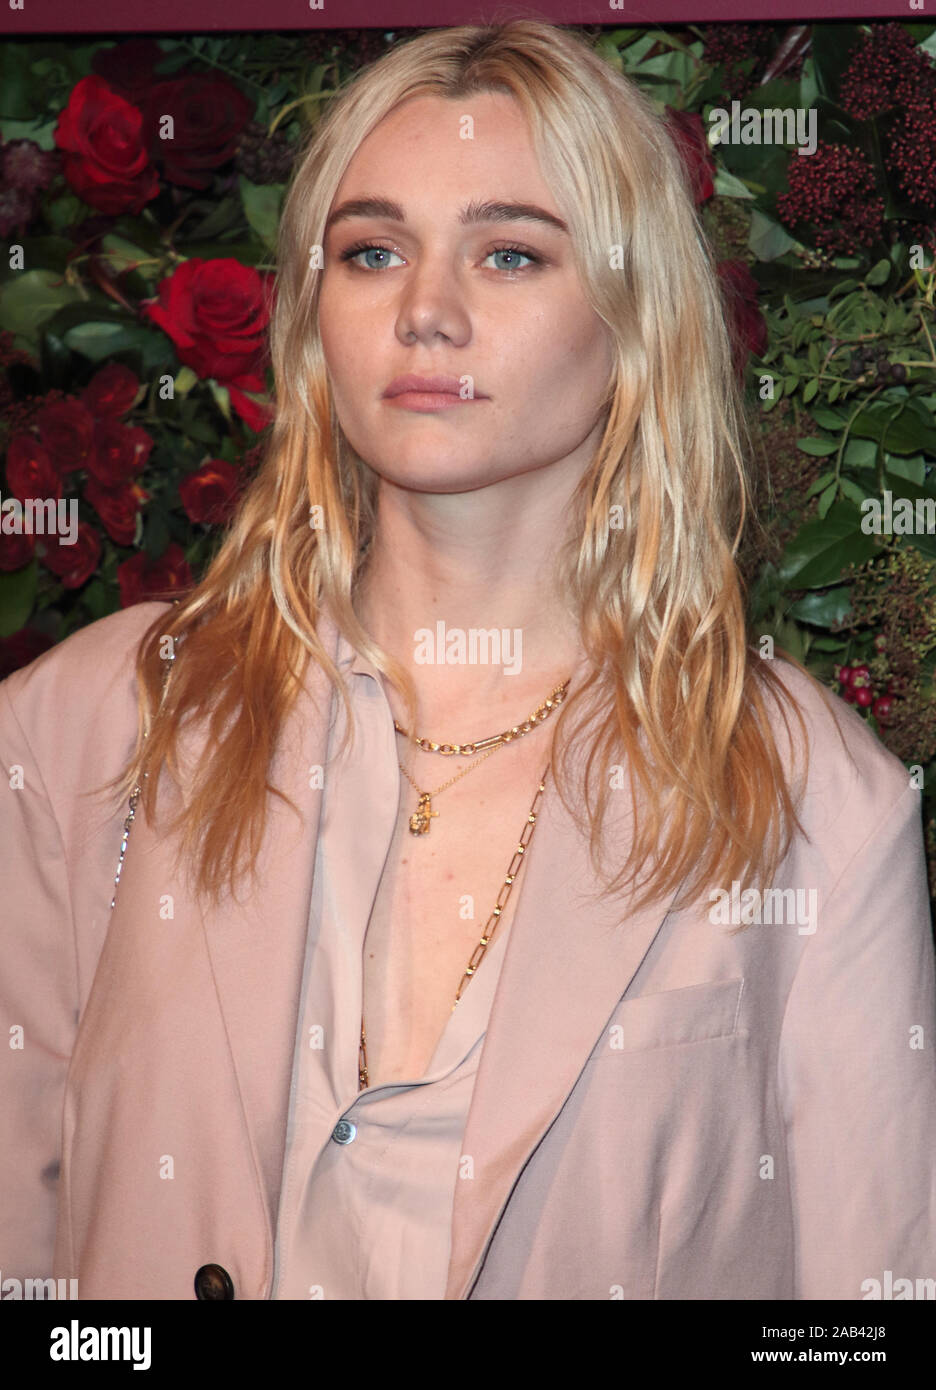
489, 927
420, 822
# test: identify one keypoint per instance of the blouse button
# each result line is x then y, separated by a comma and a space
344, 1132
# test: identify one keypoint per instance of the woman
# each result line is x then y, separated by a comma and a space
685, 1057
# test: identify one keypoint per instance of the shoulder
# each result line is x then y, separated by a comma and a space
83, 682
852, 782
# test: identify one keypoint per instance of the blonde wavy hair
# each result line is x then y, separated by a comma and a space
673, 692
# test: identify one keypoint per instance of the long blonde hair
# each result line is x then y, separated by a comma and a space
673, 692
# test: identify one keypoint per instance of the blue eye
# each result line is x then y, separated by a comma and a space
513, 251
355, 251
362, 248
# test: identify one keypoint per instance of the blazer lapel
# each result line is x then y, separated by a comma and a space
257, 947
568, 962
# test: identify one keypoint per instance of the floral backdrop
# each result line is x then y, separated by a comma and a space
136, 292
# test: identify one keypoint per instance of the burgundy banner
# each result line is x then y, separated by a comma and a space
201, 16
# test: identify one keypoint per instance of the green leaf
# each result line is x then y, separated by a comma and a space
818, 448
31, 299
39, 132
820, 550
819, 484
728, 186
767, 239
828, 419
262, 206
860, 453
222, 398
21, 97
823, 610
827, 498
914, 469
903, 427
879, 273
811, 387
853, 490
17, 597
185, 379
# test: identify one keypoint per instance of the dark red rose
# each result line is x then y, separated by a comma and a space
141, 579
73, 564
117, 507
20, 648
29, 470
104, 156
66, 429
689, 134
129, 67
210, 494
208, 115
16, 550
746, 323
217, 313
119, 451
111, 391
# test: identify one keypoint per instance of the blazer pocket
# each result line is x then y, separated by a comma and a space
694, 1014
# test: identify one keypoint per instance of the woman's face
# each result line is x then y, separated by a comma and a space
439, 298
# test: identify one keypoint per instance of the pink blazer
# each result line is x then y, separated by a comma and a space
666, 1107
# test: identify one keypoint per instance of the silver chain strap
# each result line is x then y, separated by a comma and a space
135, 794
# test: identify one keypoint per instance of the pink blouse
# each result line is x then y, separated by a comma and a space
368, 1177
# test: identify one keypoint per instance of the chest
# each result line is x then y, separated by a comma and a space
434, 900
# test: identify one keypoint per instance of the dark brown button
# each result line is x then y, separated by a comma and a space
213, 1281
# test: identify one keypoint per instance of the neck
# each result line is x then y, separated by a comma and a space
454, 567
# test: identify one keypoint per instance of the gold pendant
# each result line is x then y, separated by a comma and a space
419, 820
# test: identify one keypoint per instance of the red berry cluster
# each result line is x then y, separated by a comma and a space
731, 46
833, 193
887, 70
912, 147
856, 689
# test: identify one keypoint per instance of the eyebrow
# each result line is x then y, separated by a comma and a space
470, 215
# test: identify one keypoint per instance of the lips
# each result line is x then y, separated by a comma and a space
441, 385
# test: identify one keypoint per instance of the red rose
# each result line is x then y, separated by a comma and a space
20, 648
104, 156
128, 67
209, 495
217, 314
16, 550
119, 451
66, 429
141, 579
29, 470
746, 323
111, 391
689, 135
117, 507
74, 564
208, 115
